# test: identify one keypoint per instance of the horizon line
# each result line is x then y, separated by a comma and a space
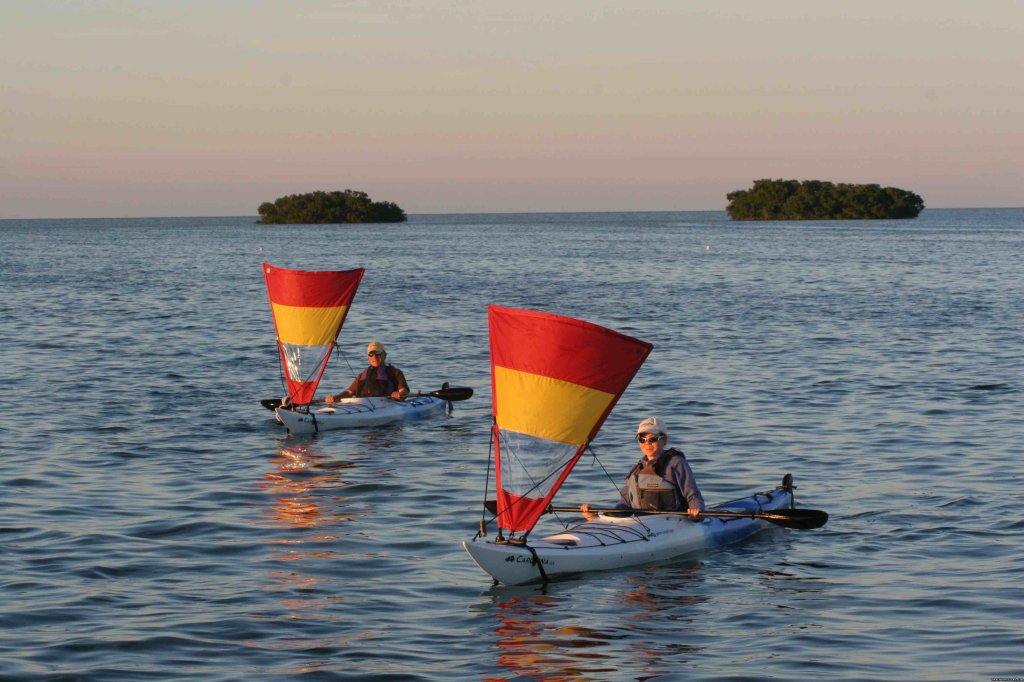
468, 213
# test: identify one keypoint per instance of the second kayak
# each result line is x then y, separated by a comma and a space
354, 412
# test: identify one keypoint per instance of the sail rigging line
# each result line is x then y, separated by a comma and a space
597, 459
369, 404
536, 483
482, 532
521, 500
312, 374
615, 486
620, 534
284, 377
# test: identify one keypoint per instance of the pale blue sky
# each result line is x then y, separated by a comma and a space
209, 108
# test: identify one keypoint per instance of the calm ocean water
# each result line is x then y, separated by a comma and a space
155, 524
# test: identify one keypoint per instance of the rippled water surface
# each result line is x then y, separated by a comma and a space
155, 524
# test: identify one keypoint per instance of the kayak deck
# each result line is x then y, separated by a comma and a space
356, 412
614, 541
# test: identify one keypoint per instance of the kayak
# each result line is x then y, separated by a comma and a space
615, 541
354, 412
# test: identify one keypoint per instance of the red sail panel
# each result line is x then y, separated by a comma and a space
555, 380
309, 309
564, 348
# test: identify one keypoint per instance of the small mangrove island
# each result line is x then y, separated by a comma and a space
820, 200
317, 208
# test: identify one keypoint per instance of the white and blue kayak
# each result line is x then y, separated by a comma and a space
355, 412
616, 540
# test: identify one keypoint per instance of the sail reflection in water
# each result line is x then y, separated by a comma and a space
305, 485
656, 617
534, 643
661, 607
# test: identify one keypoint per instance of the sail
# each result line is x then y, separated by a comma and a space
554, 382
309, 308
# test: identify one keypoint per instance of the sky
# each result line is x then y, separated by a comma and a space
209, 108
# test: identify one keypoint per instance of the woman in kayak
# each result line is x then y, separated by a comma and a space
378, 380
661, 480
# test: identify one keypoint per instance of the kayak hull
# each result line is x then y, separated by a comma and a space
611, 542
357, 412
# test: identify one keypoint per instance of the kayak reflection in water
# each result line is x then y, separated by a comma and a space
661, 481
377, 380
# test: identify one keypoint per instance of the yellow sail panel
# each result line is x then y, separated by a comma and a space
307, 326
547, 408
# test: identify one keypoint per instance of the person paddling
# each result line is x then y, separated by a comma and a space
661, 481
378, 380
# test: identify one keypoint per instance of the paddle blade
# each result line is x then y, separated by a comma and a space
801, 519
453, 394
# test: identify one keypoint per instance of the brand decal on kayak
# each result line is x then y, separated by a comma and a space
523, 560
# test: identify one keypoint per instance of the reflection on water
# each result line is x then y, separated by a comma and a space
306, 486
302, 477
660, 608
536, 641
540, 636
650, 589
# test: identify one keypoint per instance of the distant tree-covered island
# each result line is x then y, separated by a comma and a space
329, 207
820, 200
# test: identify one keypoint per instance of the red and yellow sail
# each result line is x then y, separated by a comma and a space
309, 308
555, 380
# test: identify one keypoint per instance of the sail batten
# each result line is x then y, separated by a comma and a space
309, 308
555, 380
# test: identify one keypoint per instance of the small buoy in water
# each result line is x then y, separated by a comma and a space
261, 249
707, 247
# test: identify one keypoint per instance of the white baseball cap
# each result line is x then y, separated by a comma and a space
652, 425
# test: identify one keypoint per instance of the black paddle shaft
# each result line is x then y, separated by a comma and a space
453, 394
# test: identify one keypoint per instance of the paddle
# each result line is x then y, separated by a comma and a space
453, 394
802, 519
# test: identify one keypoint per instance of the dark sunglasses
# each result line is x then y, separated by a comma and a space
375, 354
649, 439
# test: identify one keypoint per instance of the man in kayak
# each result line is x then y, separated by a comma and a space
378, 380
661, 480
